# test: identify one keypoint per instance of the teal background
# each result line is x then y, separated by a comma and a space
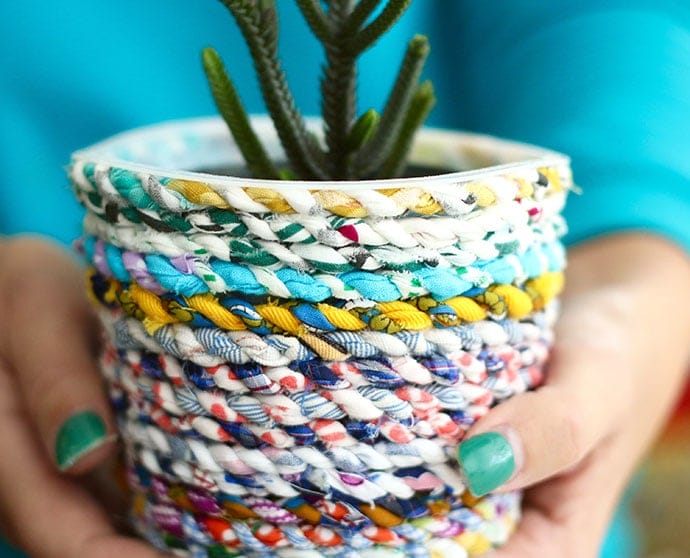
607, 82
604, 81
7, 552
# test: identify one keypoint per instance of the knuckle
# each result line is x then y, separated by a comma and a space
572, 432
52, 406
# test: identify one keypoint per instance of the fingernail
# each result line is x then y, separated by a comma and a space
80, 434
487, 461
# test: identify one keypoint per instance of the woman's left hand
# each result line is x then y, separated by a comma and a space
620, 357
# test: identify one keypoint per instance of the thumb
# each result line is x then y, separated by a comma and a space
539, 434
51, 350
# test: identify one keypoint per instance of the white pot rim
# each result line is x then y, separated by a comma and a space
166, 148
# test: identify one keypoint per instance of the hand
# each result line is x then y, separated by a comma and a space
48, 347
618, 364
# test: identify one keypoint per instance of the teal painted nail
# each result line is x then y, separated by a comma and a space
487, 461
78, 435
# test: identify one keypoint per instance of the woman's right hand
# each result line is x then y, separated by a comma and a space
56, 429
619, 360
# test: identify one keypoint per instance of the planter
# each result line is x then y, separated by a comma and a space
294, 363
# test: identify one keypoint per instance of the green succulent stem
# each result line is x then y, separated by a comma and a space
363, 130
351, 148
420, 106
359, 15
338, 92
231, 109
259, 32
316, 18
384, 21
378, 150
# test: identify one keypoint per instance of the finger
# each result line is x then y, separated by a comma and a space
568, 515
46, 514
539, 434
52, 348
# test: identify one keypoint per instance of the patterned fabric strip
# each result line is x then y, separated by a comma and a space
170, 516
174, 201
295, 318
371, 400
212, 346
486, 234
192, 275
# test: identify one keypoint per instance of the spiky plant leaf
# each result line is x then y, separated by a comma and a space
369, 146
338, 92
359, 15
379, 149
231, 109
393, 10
316, 19
304, 155
422, 102
363, 130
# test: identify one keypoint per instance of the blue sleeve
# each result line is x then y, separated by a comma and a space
606, 82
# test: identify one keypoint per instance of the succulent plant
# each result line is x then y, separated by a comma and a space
372, 145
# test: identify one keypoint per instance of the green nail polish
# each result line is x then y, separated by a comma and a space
78, 435
487, 461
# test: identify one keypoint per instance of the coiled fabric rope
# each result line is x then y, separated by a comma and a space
190, 274
293, 368
174, 201
235, 314
319, 241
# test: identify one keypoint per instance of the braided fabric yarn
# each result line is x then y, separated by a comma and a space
293, 364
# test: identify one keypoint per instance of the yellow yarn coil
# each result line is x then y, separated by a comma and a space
281, 317
391, 317
197, 192
518, 302
341, 319
416, 200
405, 315
207, 305
466, 308
485, 196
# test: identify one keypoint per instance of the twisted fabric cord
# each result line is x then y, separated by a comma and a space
212, 347
316, 524
175, 198
190, 275
213, 500
306, 258
296, 318
353, 393
321, 461
492, 228
292, 369
240, 472
263, 531
289, 472
322, 433
215, 485
317, 256
482, 365
265, 464
252, 463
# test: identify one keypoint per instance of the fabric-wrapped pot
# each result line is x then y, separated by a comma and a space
293, 364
